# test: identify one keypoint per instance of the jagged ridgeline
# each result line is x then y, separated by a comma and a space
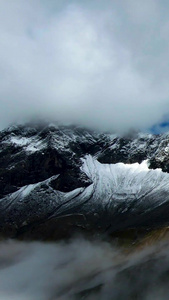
56, 180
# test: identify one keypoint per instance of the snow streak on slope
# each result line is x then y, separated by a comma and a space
125, 182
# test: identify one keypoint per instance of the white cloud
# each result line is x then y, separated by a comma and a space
89, 63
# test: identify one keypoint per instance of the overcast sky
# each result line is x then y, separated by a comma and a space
101, 63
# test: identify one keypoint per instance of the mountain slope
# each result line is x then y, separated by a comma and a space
60, 178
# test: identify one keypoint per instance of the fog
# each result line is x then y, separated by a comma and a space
99, 64
81, 269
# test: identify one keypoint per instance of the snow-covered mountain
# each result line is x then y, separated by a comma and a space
55, 179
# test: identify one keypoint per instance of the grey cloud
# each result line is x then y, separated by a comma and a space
103, 65
81, 269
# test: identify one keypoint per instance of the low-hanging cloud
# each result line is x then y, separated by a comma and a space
102, 65
81, 269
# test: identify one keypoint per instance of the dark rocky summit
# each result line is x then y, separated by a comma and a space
55, 180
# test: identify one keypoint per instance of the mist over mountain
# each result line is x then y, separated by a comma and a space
82, 269
94, 63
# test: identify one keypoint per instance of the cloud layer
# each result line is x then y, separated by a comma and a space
82, 269
102, 65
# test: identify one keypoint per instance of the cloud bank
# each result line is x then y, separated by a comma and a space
102, 65
82, 269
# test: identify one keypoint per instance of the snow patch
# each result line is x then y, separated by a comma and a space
26, 190
29, 144
19, 141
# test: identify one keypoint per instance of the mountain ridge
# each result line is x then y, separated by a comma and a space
50, 161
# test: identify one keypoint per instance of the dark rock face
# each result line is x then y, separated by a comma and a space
41, 172
29, 155
130, 150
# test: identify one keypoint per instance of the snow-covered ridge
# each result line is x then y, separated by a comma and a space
116, 189
124, 182
110, 183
